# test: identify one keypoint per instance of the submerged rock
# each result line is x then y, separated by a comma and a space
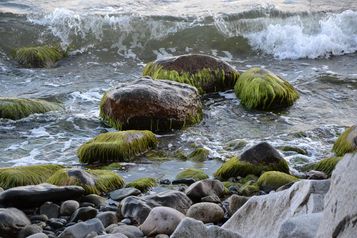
116, 146
204, 72
340, 213
17, 108
270, 211
273, 180
261, 89
206, 212
347, 142
196, 174
12, 221
39, 56
35, 195
26, 175
143, 184
156, 105
204, 188
93, 181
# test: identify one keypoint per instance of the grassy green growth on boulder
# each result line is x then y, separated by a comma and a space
39, 56
143, 184
273, 180
93, 181
327, 165
17, 108
347, 142
199, 154
196, 174
260, 89
116, 146
26, 175
204, 72
249, 189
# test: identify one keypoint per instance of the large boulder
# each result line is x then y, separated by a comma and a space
340, 213
82, 229
346, 142
17, 108
116, 146
206, 73
270, 211
257, 159
12, 221
156, 105
93, 181
204, 188
35, 195
26, 175
189, 228
161, 220
261, 89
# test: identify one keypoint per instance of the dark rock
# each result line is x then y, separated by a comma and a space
156, 105
122, 193
35, 195
204, 188
68, 207
188, 181
165, 181
129, 231
51, 210
41, 217
56, 223
82, 229
83, 214
107, 218
86, 204
29, 230
97, 200
12, 221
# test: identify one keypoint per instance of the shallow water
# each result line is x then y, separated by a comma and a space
312, 44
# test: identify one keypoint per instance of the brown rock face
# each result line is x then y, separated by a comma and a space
156, 105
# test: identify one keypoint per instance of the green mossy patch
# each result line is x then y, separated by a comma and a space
273, 180
17, 108
26, 175
346, 142
249, 189
143, 184
326, 165
116, 146
260, 89
235, 167
196, 174
113, 166
237, 144
296, 149
93, 181
199, 155
39, 56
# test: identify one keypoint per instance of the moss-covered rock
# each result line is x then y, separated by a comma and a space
260, 89
249, 189
26, 175
116, 146
143, 184
204, 72
155, 105
347, 142
196, 174
199, 154
326, 165
39, 56
235, 144
93, 181
17, 108
288, 148
273, 180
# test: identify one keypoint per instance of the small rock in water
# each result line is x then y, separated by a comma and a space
68, 207
206, 212
122, 193
83, 214
51, 210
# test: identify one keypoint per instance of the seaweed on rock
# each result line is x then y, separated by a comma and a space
26, 175
143, 184
199, 155
196, 174
17, 108
347, 142
116, 146
273, 180
327, 165
260, 89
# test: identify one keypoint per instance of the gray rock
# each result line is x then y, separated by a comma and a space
83, 214
95, 199
122, 193
206, 212
50, 209
314, 174
174, 199
38, 235
161, 220
212, 198
235, 202
129, 231
340, 213
82, 229
35, 195
270, 211
117, 235
189, 228
12, 221
162, 236
107, 218
262, 153
68, 207
303, 226
204, 188
29, 230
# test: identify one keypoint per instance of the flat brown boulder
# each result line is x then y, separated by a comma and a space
156, 105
